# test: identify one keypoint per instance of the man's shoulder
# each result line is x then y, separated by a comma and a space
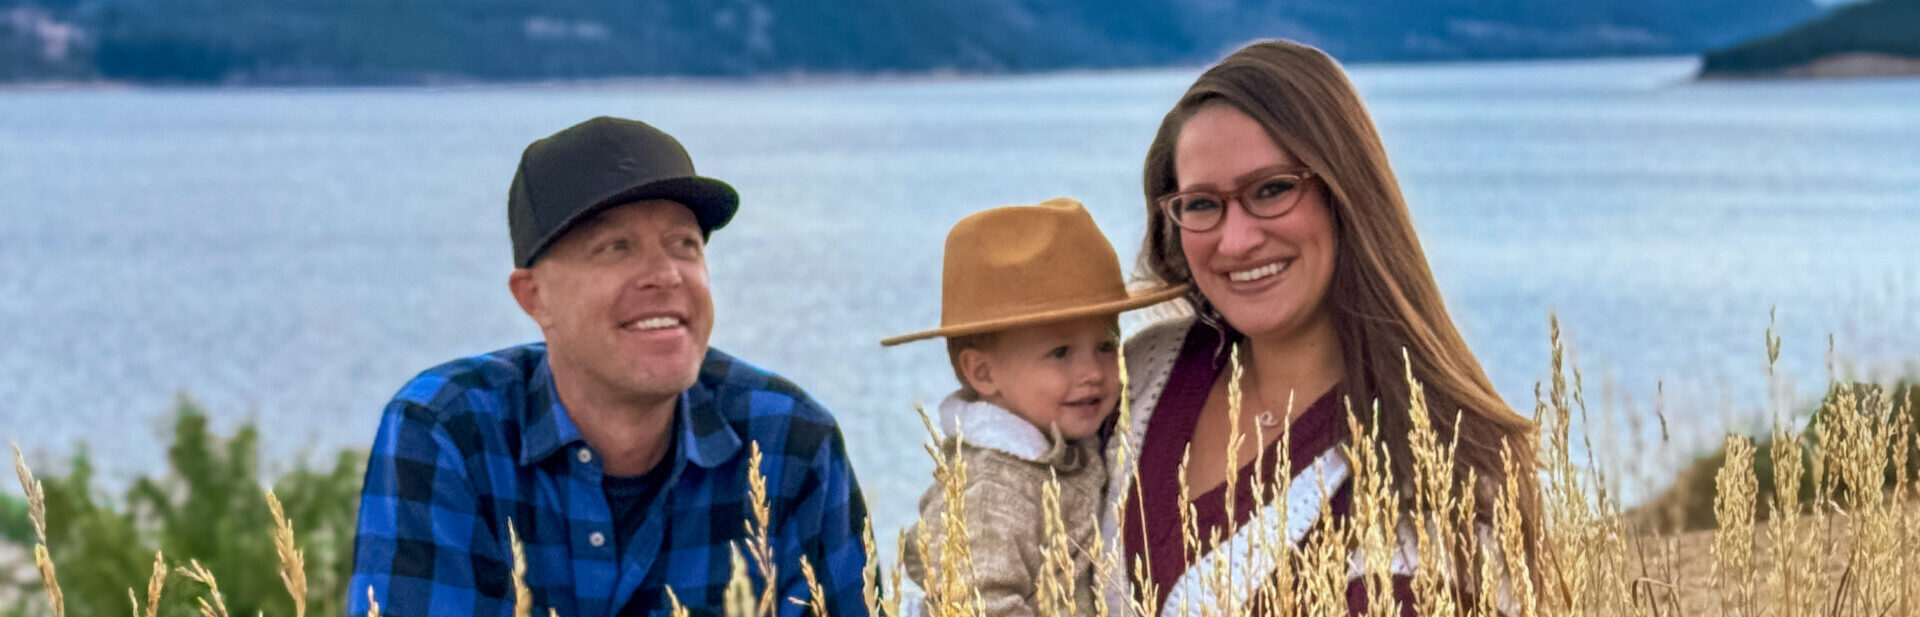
749, 391
764, 407
479, 383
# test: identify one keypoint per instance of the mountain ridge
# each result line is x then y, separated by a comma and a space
328, 42
1868, 38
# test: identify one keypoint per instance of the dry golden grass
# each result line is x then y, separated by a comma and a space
293, 568
155, 583
37, 512
1852, 549
817, 599
216, 608
522, 596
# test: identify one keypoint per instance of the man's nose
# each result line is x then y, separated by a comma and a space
656, 270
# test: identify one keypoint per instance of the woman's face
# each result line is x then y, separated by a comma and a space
1266, 276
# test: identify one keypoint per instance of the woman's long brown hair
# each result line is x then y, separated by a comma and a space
1382, 298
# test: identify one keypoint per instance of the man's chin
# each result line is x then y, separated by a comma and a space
664, 382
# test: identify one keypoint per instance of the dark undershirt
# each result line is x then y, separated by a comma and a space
628, 496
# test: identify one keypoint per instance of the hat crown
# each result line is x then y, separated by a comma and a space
617, 147
1021, 260
599, 163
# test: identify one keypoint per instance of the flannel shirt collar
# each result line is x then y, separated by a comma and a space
707, 439
710, 438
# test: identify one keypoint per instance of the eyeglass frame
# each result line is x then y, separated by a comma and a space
1301, 174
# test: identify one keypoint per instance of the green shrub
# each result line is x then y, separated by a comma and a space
208, 507
14, 524
1688, 504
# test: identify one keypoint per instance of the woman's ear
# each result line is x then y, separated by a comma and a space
978, 368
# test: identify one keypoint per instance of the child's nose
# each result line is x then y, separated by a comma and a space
1089, 370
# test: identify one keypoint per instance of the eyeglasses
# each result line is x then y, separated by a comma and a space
1267, 196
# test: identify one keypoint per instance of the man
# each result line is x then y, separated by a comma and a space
617, 449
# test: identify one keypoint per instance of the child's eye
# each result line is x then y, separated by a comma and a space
1109, 346
1058, 352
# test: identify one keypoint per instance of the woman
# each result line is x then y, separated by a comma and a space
1268, 189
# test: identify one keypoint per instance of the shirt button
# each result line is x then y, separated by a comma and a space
597, 539
585, 456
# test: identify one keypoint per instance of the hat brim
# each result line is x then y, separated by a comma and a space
1135, 300
712, 201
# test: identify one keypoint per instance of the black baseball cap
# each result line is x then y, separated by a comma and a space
571, 175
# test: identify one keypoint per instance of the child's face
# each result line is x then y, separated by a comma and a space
1065, 372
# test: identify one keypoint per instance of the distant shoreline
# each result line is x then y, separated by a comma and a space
1835, 66
774, 80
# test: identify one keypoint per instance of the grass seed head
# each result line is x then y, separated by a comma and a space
522, 596
156, 582
199, 574
293, 570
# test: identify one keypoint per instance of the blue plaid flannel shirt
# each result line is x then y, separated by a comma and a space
467, 445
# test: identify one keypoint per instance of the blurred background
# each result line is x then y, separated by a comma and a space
280, 211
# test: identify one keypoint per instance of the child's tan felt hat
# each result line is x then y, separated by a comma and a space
1022, 265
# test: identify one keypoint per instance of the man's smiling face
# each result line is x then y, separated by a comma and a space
623, 301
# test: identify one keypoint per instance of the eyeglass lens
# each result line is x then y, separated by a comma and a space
1267, 197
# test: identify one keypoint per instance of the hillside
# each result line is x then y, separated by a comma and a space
425, 41
1875, 37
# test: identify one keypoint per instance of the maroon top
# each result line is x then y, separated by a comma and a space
1151, 530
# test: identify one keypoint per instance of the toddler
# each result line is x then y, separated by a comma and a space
1030, 304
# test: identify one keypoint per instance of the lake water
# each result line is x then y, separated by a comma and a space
292, 257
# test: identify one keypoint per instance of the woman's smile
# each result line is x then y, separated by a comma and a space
1260, 272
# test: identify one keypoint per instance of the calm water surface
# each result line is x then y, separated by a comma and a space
292, 257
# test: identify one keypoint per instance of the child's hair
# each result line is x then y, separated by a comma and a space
957, 344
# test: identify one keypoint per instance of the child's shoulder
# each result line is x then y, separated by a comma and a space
992, 468
996, 475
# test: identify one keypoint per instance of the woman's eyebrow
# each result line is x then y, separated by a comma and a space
1240, 180
1243, 179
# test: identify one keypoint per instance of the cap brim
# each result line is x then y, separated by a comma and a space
713, 203
1135, 300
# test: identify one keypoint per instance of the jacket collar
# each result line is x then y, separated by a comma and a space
993, 427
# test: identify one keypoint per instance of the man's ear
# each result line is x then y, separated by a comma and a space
526, 291
978, 370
